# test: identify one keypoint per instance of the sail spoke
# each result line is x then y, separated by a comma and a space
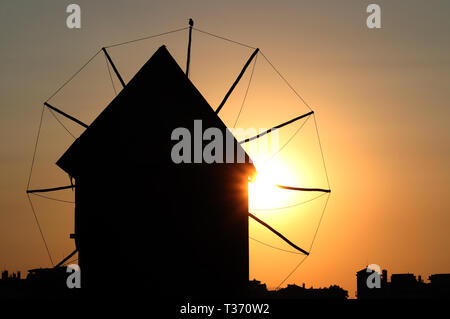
66, 258
304, 189
70, 117
236, 81
276, 127
45, 190
113, 67
278, 234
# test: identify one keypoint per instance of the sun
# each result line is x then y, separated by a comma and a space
262, 189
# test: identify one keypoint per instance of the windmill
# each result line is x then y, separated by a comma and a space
128, 190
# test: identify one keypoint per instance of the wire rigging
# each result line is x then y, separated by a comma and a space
274, 247
59, 121
110, 76
28, 185
290, 206
246, 91
40, 229
74, 75
320, 222
223, 38
287, 142
145, 38
310, 247
55, 199
110, 46
35, 147
286, 81
268, 61
321, 152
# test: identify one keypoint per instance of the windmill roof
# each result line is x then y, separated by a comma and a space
137, 124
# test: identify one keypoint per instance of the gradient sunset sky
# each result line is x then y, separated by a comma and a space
381, 98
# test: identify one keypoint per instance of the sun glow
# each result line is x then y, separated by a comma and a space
263, 192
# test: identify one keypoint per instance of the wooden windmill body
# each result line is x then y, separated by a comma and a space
183, 226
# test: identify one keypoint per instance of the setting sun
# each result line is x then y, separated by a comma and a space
262, 189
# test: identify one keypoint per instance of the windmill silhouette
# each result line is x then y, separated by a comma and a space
184, 225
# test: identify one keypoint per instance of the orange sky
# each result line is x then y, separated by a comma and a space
380, 97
